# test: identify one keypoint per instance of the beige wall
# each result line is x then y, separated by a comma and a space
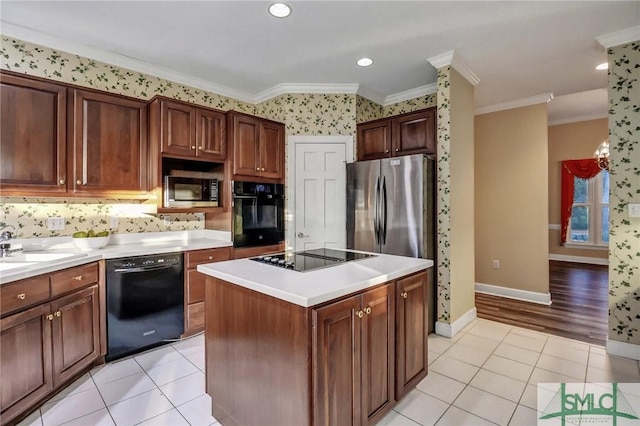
462, 197
511, 204
571, 141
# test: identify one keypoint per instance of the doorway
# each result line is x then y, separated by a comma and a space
316, 191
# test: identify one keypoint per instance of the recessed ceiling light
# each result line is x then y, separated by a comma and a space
279, 10
603, 66
364, 62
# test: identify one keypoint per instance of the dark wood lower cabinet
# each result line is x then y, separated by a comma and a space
271, 362
353, 359
45, 346
25, 356
411, 332
75, 336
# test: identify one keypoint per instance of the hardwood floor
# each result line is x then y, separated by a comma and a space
579, 308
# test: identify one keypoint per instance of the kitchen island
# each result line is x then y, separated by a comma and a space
336, 345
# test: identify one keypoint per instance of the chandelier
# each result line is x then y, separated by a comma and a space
602, 155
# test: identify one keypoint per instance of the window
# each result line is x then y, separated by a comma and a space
589, 223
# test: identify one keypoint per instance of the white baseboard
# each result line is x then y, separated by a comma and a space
579, 259
512, 293
450, 330
627, 350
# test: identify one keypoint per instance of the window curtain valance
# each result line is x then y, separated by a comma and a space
582, 169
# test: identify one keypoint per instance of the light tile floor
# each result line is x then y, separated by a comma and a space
485, 375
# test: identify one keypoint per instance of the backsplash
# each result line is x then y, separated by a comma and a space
29, 217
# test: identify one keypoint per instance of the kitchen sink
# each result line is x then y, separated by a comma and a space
36, 257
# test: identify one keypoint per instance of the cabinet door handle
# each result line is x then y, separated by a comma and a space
262, 169
193, 147
257, 169
22, 296
210, 257
49, 317
404, 294
58, 313
79, 182
200, 148
61, 182
386, 151
367, 310
397, 149
359, 314
78, 278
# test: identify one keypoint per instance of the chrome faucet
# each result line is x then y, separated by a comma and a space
5, 234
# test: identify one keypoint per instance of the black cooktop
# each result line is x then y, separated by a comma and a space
303, 261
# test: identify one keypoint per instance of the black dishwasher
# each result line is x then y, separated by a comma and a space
145, 302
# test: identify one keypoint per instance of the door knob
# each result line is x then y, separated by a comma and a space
301, 235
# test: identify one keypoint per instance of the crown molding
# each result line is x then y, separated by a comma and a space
619, 37
518, 103
578, 118
459, 64
286, 88
411, 94
10, 30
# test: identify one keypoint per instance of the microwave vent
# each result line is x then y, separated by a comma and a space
193, 174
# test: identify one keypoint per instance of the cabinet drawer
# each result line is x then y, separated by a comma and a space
73, 278
23, 293
196, 257
195, 286
195, 317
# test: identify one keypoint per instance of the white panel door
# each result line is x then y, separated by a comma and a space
320, 195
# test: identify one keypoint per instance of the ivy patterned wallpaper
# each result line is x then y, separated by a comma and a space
27, 58
29, 216
443, 226
624, 242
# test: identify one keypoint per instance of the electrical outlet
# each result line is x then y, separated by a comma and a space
55, 223
113, 224
166, 220
496, 264
634, 209
199, 216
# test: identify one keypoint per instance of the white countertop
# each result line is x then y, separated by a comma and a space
125, 245
317, 286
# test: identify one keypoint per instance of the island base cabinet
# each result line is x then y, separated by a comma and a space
353, 359
257, 357
344, 362
411, 332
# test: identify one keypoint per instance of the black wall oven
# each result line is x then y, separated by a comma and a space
258, 214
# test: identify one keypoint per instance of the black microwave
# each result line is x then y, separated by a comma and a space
180, 191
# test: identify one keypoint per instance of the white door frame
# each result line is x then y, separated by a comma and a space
292, 142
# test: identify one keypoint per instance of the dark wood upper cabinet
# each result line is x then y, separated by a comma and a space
411, 332
33, 136
374, 140
178, 128
412, 133
258, 147
415, 133
108, 144
188, 131
211, 135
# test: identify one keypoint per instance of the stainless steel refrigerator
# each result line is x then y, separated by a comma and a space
391, 210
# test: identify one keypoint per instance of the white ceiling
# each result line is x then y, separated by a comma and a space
517, 49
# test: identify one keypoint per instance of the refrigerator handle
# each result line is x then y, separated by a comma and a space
384, 212
376, 211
